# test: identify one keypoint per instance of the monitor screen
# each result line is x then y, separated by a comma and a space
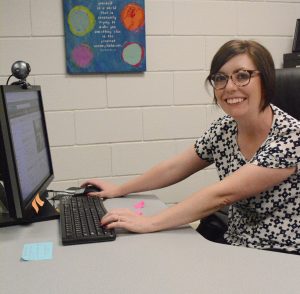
26, 160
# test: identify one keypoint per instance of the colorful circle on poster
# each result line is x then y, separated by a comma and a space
82, 55
133, 17
133, 54
81, 20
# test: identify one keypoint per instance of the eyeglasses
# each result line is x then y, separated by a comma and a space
240, 78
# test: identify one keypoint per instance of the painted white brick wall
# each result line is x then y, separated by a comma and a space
117, 126
173, 122
63, 92
130, 90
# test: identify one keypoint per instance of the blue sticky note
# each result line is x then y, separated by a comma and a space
37, 251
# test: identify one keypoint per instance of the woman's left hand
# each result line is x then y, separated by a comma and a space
129, 220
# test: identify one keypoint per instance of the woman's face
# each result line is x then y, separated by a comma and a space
240, 102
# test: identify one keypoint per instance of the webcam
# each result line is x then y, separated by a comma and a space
20, 70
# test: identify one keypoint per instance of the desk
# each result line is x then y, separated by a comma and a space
173, 261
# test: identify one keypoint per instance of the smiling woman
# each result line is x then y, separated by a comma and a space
259, 57
255, 148
239, 92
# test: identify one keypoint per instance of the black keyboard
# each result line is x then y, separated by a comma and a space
80, 220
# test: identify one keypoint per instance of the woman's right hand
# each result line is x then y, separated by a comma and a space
108, 190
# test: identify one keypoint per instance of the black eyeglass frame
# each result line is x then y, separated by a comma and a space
250, 72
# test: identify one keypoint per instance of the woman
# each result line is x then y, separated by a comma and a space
255, 148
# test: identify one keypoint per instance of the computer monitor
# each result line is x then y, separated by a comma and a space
25, 160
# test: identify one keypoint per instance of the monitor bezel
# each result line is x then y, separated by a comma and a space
18, 207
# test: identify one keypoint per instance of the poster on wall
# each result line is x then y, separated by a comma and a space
105, 36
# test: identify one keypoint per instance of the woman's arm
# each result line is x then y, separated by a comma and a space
244, 183
162, 175
166, 173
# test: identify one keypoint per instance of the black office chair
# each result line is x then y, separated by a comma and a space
287, 98
287, 94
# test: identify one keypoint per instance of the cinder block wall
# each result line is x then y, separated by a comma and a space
115, 126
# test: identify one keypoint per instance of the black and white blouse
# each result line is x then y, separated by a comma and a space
271, 219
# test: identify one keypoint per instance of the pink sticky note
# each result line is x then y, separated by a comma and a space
140, 204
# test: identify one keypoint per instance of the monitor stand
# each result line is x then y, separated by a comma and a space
4, 215
47, 212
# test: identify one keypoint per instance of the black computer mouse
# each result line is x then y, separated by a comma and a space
90, 189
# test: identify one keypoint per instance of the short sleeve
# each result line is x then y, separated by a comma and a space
282, 152
204, 145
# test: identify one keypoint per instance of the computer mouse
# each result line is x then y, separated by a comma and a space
79, 191
90, 189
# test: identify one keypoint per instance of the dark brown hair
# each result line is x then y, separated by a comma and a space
259, 55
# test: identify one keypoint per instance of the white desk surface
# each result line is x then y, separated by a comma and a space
174, 261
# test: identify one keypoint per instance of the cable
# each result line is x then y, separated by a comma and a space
56, 191
8, 79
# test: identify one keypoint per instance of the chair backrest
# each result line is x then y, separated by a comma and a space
287, 93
